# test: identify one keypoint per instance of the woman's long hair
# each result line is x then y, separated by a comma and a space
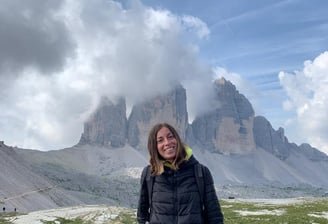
156, 160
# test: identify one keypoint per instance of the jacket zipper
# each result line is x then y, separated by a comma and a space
176, 196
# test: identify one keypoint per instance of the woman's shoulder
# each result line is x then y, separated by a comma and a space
203, 166
204, 169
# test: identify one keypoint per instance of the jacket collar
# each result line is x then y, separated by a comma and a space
189, 159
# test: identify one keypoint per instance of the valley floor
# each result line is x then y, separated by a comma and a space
96, 214
243, 211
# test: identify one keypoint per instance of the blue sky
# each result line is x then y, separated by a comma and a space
59, 57
258, 39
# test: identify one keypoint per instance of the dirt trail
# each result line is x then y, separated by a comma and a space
27, 193
98, 214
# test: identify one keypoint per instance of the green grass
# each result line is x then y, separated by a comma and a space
4, 215
292, 213
67, 221
126, 218
296, 213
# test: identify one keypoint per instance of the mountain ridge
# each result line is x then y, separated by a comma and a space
247, 157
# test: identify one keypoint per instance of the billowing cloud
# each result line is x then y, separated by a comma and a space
308, 96
33, 36
61, 56
197, 25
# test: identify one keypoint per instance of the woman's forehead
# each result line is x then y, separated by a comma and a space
163, 131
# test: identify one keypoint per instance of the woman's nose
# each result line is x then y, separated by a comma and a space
166, 141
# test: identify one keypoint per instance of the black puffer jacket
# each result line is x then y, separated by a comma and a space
176, 198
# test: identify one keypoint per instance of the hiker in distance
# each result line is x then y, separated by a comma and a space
175, 187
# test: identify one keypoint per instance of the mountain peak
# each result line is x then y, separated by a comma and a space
107, 125
227, 128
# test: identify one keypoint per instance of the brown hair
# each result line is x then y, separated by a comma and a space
156, 161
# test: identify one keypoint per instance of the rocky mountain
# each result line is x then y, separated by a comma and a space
276, 143
107, 126
24, 189
247, 157
230, 131
170, 108
228, 127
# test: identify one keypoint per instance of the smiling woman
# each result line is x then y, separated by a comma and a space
171, 189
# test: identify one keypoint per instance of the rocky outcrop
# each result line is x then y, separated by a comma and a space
107, 126
270, 140
227, 128
170, 108
312, 153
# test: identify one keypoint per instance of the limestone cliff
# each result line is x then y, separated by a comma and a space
107, 125
170, 108
228, 127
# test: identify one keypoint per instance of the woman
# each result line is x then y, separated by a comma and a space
175, 196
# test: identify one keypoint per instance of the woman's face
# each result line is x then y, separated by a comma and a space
166, 144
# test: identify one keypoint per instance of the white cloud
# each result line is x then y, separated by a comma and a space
307, 92
91, 48
31, 35
196, 24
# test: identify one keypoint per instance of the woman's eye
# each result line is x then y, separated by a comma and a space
170, 137
159, 140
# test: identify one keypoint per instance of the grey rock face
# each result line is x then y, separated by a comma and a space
270, 140
230, 102
107, 126
228, 128
276, 143
22, 188
312, 153
170, 108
